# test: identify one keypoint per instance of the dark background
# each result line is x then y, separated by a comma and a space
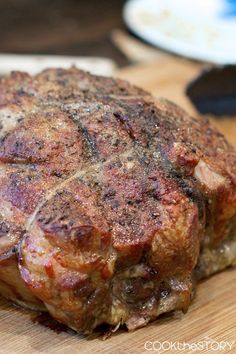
68, 27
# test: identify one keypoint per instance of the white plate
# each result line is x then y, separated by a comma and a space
199, 29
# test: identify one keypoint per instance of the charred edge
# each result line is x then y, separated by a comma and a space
123, 119
90, 143
185, 185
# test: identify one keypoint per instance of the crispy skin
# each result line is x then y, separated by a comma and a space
112, 202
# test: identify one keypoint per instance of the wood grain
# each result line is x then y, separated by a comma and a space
213, 312
211, 315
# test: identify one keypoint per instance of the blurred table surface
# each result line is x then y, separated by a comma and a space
67, 27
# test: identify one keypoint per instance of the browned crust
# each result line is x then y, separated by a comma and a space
115, 194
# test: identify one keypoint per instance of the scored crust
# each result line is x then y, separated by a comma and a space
112, 202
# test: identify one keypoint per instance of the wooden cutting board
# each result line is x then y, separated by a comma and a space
212, 316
